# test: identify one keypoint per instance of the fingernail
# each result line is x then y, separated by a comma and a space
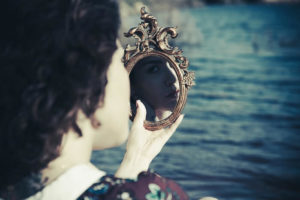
182, 116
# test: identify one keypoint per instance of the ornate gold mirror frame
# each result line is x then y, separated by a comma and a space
152, 40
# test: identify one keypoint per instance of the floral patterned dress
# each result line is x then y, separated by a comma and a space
149, 186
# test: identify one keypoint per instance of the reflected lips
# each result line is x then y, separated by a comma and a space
173, 94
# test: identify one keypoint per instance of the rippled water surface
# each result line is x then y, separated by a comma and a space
240, 138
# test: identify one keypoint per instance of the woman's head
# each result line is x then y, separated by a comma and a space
154, 81
54, 60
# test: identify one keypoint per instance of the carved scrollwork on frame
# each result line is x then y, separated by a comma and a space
152, 40
150, 37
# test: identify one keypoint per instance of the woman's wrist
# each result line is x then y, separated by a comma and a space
132, 164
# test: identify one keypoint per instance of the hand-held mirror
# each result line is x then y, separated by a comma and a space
157, 71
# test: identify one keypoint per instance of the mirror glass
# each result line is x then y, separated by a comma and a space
153, 80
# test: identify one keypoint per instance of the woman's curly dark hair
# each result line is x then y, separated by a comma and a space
54, 57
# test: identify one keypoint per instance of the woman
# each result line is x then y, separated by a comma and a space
155, 83
64, 93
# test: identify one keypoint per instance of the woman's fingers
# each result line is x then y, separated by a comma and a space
140, 115
174, 126
171, 130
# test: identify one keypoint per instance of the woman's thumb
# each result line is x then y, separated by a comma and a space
140, 116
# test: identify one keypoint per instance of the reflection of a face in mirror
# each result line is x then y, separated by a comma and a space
155, 83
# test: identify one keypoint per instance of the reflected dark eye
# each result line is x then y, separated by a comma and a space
153, 69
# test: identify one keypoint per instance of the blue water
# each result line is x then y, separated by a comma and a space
240, 138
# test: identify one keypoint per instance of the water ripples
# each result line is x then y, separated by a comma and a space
240, 135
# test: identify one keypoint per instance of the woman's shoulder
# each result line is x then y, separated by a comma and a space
148, 186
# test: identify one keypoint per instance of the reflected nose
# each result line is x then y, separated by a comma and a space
170, 78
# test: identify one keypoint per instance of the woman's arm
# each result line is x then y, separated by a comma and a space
143, 145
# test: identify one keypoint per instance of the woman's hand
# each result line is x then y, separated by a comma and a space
143, 145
